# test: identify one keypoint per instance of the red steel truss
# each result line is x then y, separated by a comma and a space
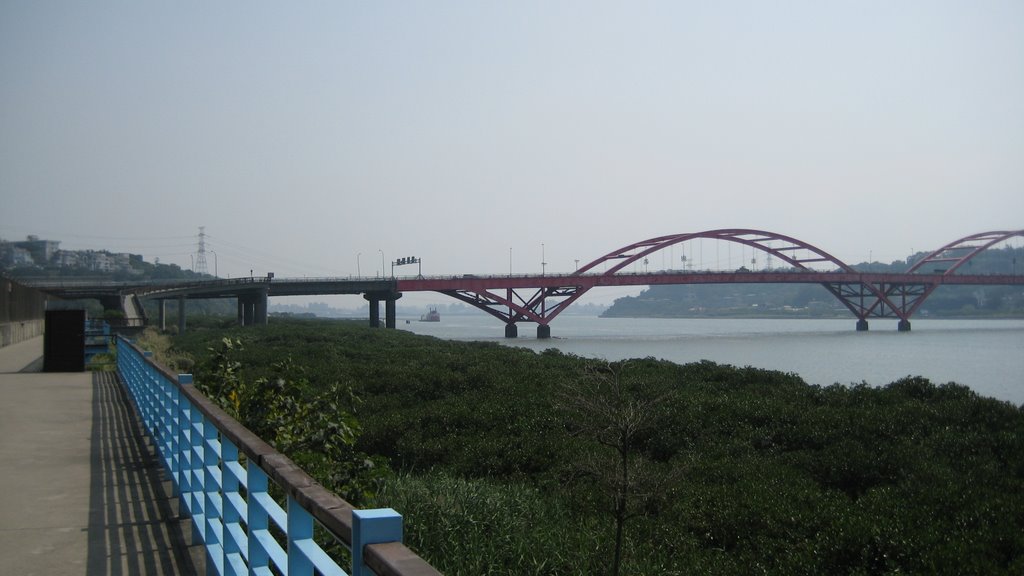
959, 252
782, 247
540, 299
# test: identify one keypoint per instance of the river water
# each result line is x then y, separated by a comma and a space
986, 355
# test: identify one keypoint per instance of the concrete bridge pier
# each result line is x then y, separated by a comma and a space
543, 332
389, 310
389, 299
181, 314
511, 331
246, 310
904, 325
862, 325
260, 307
374, 310
252, 308
161, 308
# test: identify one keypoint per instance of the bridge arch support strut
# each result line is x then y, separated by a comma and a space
858, 297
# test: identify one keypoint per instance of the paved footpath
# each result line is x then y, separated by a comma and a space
80, 491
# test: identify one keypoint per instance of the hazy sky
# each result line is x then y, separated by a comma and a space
302, 134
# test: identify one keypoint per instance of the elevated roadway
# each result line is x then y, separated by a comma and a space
864, 294
540, 298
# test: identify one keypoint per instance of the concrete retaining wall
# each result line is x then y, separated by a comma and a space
14, 332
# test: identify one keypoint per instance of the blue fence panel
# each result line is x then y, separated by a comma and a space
97, 338
225, 488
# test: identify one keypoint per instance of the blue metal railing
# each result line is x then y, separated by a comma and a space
222, 475
97, 338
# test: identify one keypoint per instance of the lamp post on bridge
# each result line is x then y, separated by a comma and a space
216, 273
382, 269
359, 273
543, 262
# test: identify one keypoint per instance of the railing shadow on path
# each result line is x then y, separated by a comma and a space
134, 524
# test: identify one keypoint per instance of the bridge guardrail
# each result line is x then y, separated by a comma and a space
222, 472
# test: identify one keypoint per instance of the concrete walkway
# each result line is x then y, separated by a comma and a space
80, 490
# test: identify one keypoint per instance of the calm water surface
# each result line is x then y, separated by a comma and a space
987, 355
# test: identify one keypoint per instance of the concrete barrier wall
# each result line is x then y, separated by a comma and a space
22, 312
14, 332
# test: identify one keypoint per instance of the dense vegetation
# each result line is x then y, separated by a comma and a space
504, 461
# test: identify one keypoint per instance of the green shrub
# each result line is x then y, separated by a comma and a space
771, 475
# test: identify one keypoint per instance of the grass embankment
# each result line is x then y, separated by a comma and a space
504, 461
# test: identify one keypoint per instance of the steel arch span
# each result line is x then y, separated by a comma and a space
959, 252
861, 298
788, 251
541, 298
952, 256
543, 304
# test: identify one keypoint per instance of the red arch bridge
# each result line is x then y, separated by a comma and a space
539, 299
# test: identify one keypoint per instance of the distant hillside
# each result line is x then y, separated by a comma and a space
814, 301
36, 259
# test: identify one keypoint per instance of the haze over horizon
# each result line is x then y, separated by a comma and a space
318, 139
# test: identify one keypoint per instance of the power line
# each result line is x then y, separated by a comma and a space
249, 254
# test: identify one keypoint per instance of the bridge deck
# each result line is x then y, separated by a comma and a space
80, 491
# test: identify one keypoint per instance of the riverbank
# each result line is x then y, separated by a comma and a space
982, 354
759, 469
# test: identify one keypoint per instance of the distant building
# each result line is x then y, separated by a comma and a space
20, 257
36, 252
42, 251
68, 259
102, 262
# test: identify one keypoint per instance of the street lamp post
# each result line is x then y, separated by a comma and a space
216, 274
381, 262
543, 263
359, 273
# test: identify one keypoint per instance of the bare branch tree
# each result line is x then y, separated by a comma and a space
616, 414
